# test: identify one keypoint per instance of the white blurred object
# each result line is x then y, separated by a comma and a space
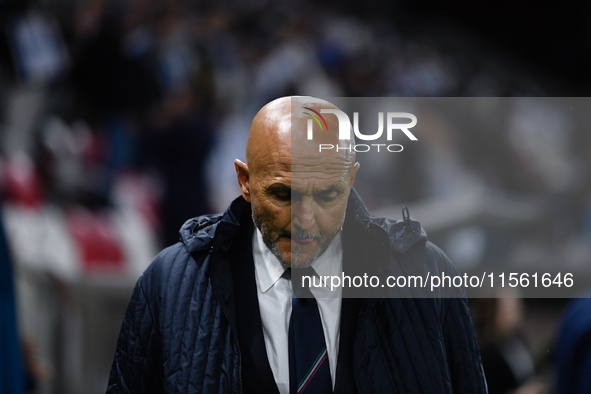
39, 239
466, 246
135, 220
542, 134
349, 35
41, 55
293, 62
230, 144
139, 242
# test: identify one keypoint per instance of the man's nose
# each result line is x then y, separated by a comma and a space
303, 213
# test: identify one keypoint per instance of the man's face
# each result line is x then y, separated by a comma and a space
299, 205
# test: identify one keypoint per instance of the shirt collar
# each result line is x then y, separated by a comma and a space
268, 268
330, 262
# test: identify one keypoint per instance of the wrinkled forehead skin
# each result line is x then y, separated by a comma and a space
278, 142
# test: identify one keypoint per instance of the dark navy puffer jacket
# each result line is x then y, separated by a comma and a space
179, 333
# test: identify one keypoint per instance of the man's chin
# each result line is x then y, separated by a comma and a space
299, 258
294, 254
295, 259
298, 261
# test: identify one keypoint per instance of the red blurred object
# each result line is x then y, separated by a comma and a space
20, 182
100, 248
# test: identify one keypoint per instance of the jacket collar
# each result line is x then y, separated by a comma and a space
198, 233
400, 234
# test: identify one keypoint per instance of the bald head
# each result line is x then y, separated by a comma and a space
280, 127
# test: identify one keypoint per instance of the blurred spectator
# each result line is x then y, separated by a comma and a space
507, 363
573, 349
12, 376
170, 86
176, 144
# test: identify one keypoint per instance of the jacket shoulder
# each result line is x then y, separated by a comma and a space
172, 258
407, 239
197, 233
437, 259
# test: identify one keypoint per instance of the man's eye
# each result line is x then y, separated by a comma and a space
283, 196
328, 196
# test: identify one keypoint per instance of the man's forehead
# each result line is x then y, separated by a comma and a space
319, 183
305, 176
328, 164
303, 162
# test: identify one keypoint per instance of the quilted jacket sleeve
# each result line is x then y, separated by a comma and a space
463, 356
137, 367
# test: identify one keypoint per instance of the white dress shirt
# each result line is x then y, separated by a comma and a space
274, 293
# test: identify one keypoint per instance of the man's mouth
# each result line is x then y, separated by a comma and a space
302, 239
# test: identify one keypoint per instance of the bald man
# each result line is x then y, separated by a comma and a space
218, 313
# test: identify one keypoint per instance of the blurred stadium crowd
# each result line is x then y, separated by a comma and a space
119, 120
93, 89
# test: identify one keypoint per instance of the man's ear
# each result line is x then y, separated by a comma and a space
354, 171
243, 178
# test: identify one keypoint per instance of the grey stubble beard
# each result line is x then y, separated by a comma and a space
295, 250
